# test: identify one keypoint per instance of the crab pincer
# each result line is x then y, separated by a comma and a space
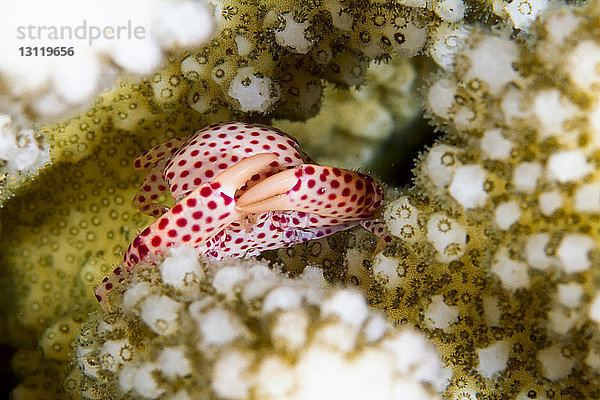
316, 189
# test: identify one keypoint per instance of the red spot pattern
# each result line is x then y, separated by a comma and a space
214, 231
162, 223
205, 191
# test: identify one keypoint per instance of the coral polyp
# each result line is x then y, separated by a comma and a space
497, 242
240, 329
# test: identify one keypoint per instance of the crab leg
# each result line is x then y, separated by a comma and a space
271, 231
377, 228
303, 220
110, 282
164, 150
198, 216
154, 184
264, 235
326, 191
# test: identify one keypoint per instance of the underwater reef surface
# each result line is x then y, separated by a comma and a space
492, 272
242, 329
498, 250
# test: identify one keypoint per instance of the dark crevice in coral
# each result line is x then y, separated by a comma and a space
396, 158
8, 381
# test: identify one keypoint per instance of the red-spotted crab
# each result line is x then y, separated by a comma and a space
241, 189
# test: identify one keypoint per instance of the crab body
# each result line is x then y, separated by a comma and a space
241, 189
180, 165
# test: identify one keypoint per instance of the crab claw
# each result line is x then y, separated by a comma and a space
238, 174
316, 189
197, 217
194, 220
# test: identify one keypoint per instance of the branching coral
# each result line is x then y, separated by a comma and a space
242, 330
268, 58
57, 243
271, 58
43, 86
363, 119
135, 117
497, 250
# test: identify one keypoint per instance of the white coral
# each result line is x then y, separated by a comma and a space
19, 147
252, 91
513, 274
337, 346
52, 85
447, 40
449, 10
492, 61
402, 219
493, 358
447, 236
293, 35
467, 186
523, 12
495, 145
439, 314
